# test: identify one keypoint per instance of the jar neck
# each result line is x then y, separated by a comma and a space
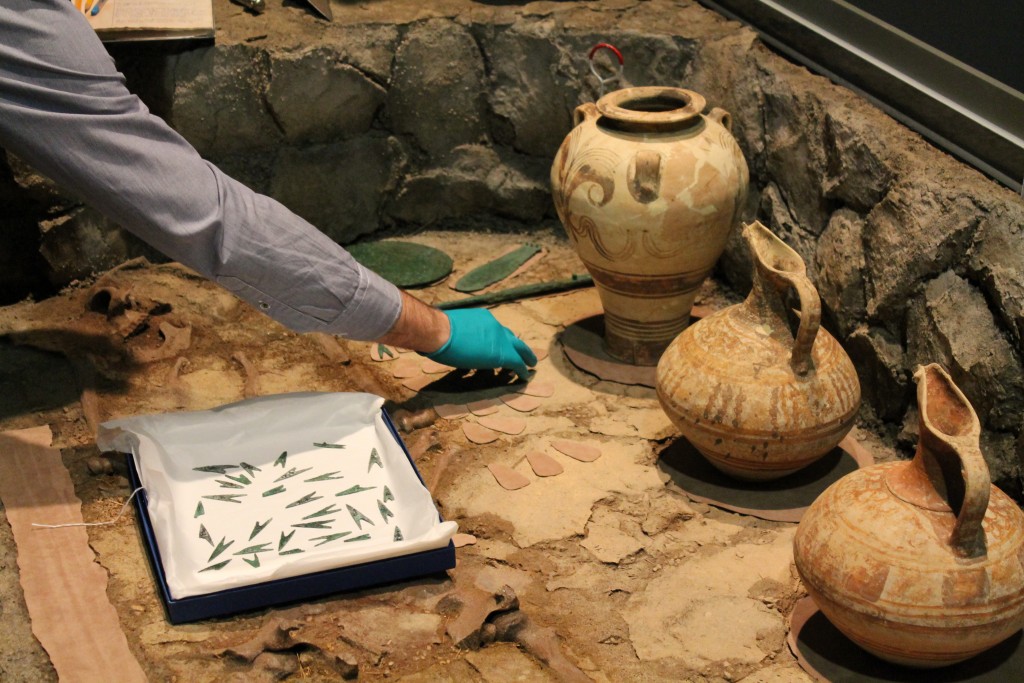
651, 109
623, 125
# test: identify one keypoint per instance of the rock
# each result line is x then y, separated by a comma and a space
997, 263
504, 662
951, 324
375, 629
218, 99
473, 607
475, 180
541, 642
609, 544
316, 99
856, 174
663, 510
920, 229
795, 156
437, 85
369, 47
98, 465
533, 110
839, 271
20, 182
275, 665
82, 243
337, 187
726, 70
521, 187
1004, 462
786, 226
275, 635
885, 382
707, 610
346, 666
442, 192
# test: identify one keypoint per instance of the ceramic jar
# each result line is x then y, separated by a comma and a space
648, 190
919, 562
757, 399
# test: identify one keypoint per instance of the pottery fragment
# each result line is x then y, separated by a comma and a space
404, 368
576, 450
461, 540
451, 411
543, 465
541, 389
418, 383
507, 477
505, 425
521, 402
487, 406
479, 434
432, 367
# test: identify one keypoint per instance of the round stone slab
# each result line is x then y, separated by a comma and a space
404, 264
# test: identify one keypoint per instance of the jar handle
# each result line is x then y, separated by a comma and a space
810, 321
721, 116
585, 112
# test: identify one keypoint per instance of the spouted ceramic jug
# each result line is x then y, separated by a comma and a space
756, 398
920, 562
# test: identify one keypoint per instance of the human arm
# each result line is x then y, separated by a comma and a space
65, 110
466, 338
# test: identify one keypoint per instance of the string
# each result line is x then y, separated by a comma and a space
113, 521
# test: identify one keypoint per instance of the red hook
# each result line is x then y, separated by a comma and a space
606, 46
593, 68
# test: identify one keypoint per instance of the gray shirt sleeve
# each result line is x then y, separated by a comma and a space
65, 110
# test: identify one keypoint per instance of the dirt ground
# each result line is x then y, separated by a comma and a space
606, 571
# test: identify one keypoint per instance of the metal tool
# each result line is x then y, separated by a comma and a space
602, 80
521, 292
255, 6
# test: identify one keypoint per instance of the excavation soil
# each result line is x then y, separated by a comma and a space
605, 571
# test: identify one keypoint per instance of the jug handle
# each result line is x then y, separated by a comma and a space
585, 112
722, 117
946, 451
810, 320
968, 536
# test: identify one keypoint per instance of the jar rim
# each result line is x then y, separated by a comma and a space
652, 105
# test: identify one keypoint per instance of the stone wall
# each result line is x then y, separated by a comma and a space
404, 115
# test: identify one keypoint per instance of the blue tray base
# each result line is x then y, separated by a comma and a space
281, 591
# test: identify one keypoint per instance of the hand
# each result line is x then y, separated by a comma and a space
479, 341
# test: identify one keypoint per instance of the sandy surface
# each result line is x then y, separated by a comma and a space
622, 575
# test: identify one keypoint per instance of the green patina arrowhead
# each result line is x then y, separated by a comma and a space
496, 270
403, 264
258, 528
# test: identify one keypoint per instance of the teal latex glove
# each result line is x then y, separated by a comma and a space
479, 341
